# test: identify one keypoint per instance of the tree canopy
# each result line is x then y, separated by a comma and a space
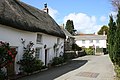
116, 4
104, 29
117, 41
114, 39
70, 27
111, 36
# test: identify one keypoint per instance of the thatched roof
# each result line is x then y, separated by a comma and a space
19, 15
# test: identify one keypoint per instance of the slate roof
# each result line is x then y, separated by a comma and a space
19, 15
90, 37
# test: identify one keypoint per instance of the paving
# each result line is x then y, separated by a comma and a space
97, 68
82, 68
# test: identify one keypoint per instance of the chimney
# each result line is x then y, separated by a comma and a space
45, 8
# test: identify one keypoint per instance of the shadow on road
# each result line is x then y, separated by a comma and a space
55, 72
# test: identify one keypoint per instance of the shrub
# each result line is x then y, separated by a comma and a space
38, 65
55, 61
58, 60
29, 63
7, 54
90, 51
117, 70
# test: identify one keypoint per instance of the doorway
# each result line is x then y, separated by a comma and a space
46, 57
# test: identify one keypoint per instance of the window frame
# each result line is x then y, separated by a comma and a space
39, 39
97, 41
91, 41
38, 54
83, 41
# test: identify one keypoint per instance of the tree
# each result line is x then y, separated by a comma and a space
117, 41
116, 4
102, 30
111, 37
70, 27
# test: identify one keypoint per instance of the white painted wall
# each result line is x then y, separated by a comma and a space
13, 36
101, 44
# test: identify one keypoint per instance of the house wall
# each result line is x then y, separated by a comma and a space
87, 44
14, 36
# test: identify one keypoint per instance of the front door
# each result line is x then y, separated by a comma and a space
45, 57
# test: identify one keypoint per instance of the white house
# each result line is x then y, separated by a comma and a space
91, 40
19, 21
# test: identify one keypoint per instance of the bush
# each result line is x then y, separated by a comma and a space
58, 60
90, 51
117, 70
38, 65
29, 63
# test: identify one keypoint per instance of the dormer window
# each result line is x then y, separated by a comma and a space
39, 38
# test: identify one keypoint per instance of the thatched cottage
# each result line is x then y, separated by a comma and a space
22, 22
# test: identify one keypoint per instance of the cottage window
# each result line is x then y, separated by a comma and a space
83, 41
39, 38
38, 53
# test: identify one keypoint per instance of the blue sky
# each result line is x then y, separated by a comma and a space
88, 15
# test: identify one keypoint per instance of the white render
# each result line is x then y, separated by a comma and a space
94, 38
87, 44
95, 41
13, 37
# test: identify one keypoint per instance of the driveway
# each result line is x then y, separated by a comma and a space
82, 68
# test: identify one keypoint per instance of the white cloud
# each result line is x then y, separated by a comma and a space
103, 18
83, 23
53, 13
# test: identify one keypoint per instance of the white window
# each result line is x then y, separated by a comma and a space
39, 38
38, 53
97, 41
83, 41
91, 41
58, 40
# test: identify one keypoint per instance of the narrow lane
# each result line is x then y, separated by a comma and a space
53, 73
97, 68
82, 68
